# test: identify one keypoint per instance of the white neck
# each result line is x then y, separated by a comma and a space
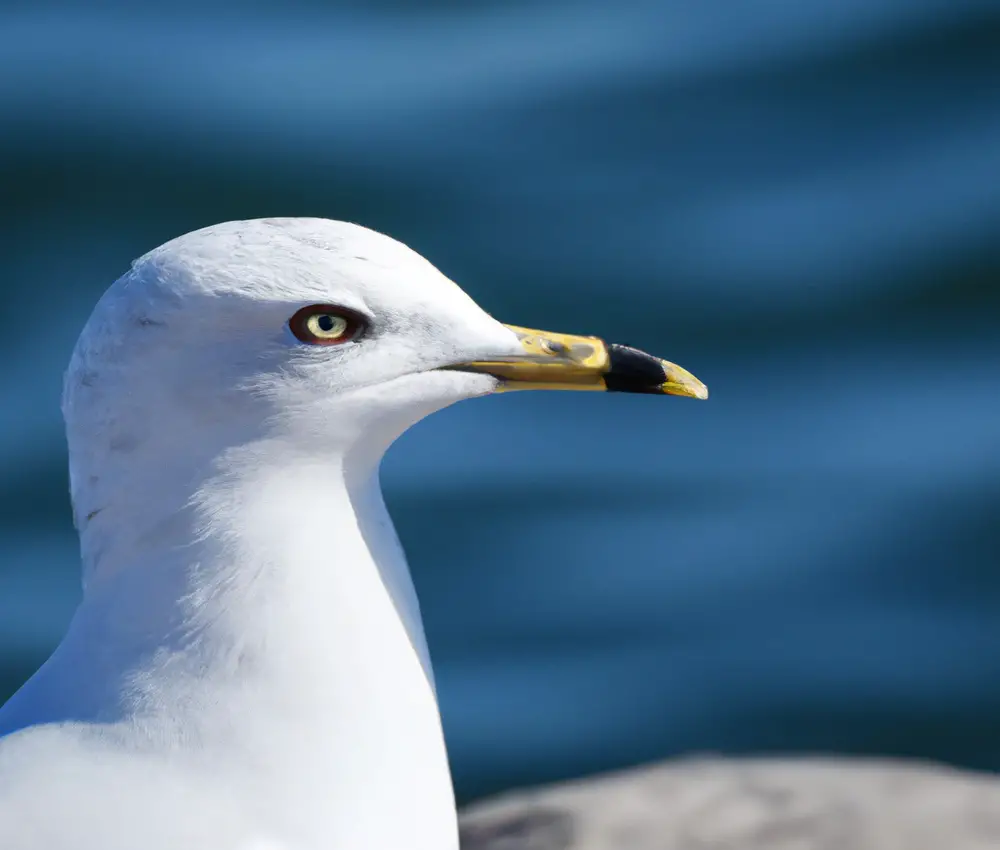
285, 641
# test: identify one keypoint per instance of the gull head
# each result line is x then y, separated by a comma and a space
317, 336
248, 612
318, 328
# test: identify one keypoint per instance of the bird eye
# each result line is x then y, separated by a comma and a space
324, 324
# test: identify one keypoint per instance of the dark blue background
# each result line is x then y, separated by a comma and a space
799, 201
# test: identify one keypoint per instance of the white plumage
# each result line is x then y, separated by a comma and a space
247, 669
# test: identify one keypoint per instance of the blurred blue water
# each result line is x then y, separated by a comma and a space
800, 202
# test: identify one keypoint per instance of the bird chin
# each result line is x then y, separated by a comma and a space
387, 409
418, 394
444, 385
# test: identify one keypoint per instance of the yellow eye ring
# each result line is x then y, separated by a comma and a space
325, 324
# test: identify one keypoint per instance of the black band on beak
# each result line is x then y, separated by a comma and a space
633, 371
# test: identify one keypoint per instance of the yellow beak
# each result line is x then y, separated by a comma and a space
555, 361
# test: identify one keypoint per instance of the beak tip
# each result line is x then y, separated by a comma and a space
681, 382
698, 391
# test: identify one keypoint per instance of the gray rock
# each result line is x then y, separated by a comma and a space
719, 804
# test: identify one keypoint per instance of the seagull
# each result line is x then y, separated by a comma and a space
247, 669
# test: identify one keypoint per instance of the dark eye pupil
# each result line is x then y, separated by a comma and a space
325, 323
